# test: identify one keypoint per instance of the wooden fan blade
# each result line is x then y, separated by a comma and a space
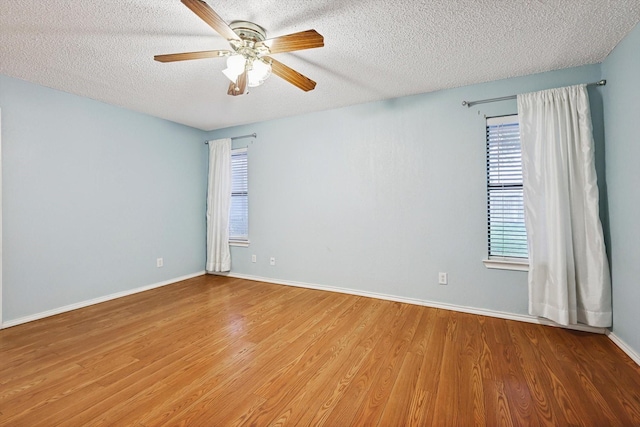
232, 89
240, 86
297, 41
204, 11
172, 57
291, 75
242, 82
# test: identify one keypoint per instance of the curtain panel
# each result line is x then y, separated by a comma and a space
218, 205
569, 279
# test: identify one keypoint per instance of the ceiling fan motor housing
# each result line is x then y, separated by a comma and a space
248, 31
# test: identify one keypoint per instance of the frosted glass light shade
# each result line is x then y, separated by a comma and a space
258, 73
235, 63
235, 67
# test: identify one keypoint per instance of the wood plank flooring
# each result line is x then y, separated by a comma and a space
215, 351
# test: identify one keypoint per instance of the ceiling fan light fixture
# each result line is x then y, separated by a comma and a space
258, 72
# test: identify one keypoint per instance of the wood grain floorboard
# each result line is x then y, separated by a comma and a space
218, 351
354, 395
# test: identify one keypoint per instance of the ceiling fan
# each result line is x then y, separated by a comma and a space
249, 63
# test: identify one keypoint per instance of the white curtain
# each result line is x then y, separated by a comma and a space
569, 279
218, 204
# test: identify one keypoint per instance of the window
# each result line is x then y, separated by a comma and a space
507, 236
239, 212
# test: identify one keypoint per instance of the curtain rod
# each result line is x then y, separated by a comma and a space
250, 135
505, 98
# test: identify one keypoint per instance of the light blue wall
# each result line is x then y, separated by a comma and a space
380, 197
622, 124
377, 197
92, 195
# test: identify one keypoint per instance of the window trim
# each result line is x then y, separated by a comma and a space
505, 263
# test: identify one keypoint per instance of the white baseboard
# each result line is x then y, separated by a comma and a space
624, 347
452, 307
98, 300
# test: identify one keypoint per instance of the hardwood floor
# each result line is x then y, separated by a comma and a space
214, 351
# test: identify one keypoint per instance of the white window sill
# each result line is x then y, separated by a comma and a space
507, 264
241, 243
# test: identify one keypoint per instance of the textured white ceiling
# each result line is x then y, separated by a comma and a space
374, 49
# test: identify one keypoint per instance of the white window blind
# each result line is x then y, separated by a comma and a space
239, 212
507, 236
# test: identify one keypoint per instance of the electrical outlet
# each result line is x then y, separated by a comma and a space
272, 260
254, 258
159, 262
443, 278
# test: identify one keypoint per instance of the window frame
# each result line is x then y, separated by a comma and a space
495, 261
242, 241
